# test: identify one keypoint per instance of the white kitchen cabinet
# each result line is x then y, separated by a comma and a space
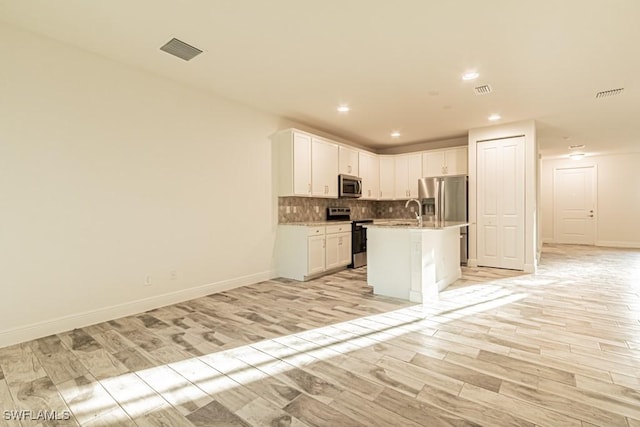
332, 259
324, 168
294, 163
316, 254
304, 252
369, 167
408, 170
445, 162
338, 244
387, 177
348, 161
344, 248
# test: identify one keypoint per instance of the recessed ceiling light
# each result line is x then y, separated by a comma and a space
576, 146
343, 109
470, 75
576, 156
395, 134
495, 117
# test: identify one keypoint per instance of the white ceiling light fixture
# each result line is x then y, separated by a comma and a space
494, 117
576, 156
343, 108
395, 134
470, 75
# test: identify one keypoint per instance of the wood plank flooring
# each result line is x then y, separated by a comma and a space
558, 348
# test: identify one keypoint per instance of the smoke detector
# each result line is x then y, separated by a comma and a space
181, 49
482, 90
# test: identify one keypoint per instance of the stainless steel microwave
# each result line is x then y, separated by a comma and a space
349, 186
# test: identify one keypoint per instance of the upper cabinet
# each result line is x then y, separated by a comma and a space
349, 164
294, 156
387, 177
452, 161
324, 168
370, 174
309, 165
408, 170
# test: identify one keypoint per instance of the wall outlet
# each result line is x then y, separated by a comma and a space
412, 209
295, 209
173, 275
390, 209
288, 209
363, 210
317, 209
147, 280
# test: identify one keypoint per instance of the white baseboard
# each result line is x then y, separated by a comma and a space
613, 244
472, 262
79, 320
529, 268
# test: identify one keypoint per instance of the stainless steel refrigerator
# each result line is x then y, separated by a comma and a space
445, 199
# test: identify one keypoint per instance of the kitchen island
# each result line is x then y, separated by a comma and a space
413, 262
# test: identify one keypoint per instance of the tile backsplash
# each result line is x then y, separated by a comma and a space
306, 209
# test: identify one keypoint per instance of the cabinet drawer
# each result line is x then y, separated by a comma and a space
341, 228
315, 231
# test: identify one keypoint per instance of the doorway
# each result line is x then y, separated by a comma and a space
574, 204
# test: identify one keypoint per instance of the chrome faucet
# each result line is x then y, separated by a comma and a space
419, 213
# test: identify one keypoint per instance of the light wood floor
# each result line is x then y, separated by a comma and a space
559, 348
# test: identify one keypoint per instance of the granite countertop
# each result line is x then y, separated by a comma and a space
315, 223
413, 224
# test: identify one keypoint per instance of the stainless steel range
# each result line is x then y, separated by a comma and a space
359, 243
358, 235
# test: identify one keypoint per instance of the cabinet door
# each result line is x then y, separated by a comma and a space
387, 178
348, 159
414, 173
301, 164
456, 161
401, 177
315, 254
344, 248
370, 174
433, 163
332, 257
324, 168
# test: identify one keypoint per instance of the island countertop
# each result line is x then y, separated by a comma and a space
413, 224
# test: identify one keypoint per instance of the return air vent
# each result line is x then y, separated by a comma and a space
607, 93
482, 90
181, 49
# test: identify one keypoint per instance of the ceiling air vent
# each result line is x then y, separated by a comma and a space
181, 49
482, 90
607, 93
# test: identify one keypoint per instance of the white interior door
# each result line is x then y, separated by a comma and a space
500, 206
574, 202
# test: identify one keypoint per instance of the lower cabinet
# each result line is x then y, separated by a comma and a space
304, 252
338, 250
315, 254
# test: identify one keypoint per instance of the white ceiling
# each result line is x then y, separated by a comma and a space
397, 64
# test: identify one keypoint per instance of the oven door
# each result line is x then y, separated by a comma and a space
358, 246
358, 239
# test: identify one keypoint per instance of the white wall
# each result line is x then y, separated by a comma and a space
109, 174
528, 130
618, 193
